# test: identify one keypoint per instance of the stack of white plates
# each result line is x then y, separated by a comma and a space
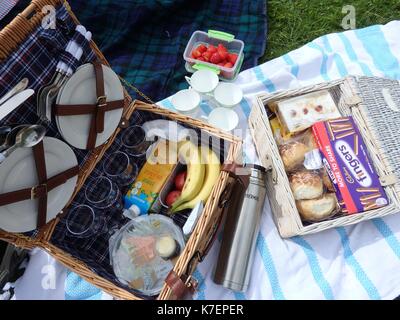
18, 171
81, 89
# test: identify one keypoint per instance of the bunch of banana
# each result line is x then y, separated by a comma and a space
203, 171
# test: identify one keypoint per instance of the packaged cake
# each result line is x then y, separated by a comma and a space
300, 113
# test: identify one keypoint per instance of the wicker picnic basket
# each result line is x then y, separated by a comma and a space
11, 37
374, 104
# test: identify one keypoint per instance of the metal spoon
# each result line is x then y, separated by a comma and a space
26, 138
4, 131
10, 139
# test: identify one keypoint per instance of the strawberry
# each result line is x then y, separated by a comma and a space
222, 47
201, 59
202, 48
215, 58
196, 53
223, 53
207, 55
228, 65
211, 49
232, 57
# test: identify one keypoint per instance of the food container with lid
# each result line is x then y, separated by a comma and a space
144, 251
214, 38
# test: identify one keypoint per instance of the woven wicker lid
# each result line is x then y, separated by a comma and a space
379, 106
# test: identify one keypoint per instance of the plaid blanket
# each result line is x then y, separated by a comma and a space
144, 40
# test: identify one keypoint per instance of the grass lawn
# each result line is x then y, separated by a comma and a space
293, 23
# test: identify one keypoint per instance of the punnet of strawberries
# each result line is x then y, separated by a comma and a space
218, 55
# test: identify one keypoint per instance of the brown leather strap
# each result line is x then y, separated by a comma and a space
40, 191
97, 121
101, 97
98, 110
180, 287
82, 109
40, 161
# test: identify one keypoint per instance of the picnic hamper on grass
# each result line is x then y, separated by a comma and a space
374, 104
89, 257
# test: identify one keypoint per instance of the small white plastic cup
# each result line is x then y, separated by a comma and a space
186, 101
203, 81
228, 95
223, 118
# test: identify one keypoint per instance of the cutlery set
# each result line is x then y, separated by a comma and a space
39, 173
15, 136
47, 95
15, 97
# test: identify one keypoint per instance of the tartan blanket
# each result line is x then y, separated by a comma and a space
144, 40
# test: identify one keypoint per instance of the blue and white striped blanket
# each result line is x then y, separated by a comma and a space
355, 262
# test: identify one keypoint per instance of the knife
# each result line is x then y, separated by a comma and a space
14, 102
20, 86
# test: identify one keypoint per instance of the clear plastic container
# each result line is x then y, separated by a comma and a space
134, 255
214, 37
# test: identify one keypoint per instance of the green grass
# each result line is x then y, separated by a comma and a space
293, 23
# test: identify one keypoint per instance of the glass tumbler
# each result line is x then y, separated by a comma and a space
82, 222
102, 193
120, 169
134, 141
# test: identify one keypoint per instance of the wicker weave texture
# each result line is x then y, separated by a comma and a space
361, 98
12, 36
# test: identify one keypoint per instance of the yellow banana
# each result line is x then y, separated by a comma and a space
213, 168
195, 172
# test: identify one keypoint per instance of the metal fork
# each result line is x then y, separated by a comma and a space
60, 73
53, 92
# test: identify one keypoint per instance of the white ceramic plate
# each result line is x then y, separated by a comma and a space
18, 171
81, 89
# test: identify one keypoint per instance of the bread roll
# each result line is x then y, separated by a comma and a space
309, 140
293, 154
317, 209
306, 185
327, 181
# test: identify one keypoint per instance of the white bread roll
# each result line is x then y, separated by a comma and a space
317, 209
306, 185
293, 154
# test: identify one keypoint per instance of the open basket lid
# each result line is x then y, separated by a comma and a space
375, 103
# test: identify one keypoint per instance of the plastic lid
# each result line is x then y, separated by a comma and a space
134, 255
135, 210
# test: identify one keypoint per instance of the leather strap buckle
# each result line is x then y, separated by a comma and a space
191, 283
188, 281
101, 101
36, 189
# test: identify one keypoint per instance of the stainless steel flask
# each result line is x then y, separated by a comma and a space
242, 224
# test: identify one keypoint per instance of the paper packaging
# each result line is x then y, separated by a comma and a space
152, 177
299, 113
345, 157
